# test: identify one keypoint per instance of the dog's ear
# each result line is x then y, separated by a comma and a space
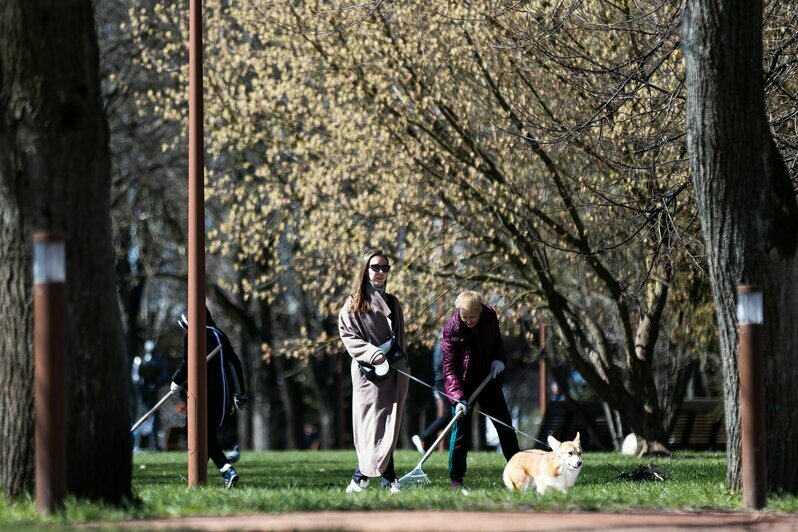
553, 443
576, 440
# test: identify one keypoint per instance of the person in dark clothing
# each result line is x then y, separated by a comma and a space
225, 389
441, 404
149, 373
472, 350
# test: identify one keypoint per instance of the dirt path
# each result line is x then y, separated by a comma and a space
467, 521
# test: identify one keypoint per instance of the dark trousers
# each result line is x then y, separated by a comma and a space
433, 428
491, 401
389, 475
215, 452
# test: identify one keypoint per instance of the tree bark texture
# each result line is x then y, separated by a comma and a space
748, 213
16, 300
55, 175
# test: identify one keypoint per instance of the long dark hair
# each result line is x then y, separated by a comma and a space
360, 303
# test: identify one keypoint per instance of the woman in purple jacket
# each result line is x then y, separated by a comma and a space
472, 350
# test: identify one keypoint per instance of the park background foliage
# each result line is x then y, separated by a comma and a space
533, 151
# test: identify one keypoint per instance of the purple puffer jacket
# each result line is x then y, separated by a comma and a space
457, 353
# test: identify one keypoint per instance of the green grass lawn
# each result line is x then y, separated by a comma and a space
294, 481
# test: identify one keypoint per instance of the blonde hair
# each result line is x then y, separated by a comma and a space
469, 300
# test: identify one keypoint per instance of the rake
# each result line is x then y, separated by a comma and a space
417, 477
166, 397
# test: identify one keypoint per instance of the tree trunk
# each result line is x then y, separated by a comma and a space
257, 435
320, 395
16, 328
131, 289
55, 175
291, 423
748, 213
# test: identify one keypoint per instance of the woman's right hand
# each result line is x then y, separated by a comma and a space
380, 363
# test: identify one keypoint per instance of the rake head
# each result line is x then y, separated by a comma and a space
414, 479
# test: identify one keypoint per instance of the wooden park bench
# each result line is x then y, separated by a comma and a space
563, 419
699, 426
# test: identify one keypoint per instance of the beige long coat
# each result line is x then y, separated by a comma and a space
376, 406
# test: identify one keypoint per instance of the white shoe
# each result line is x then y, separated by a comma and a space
394, 487
357, 487
417, 442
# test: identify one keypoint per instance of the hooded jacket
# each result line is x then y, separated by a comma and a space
225, 376
468, 353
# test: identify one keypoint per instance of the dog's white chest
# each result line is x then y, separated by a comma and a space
568, 478
562, 482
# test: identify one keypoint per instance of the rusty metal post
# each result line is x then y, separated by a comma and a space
752, 395
543, 383
49, 297
197, 367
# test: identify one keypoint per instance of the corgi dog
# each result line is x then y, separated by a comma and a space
556, 469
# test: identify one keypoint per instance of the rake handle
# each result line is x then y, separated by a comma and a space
151, 411
448, 427
166, 397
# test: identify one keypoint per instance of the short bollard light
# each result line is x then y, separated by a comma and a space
750, 317
49, 296
749, 306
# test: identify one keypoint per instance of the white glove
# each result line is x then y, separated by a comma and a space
496, 367
380, 363
461, 408
174, 388
239, 401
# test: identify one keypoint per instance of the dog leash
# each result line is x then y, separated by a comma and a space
493, 419
416, 379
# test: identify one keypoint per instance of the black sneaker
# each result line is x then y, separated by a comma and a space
457, 485
230, 478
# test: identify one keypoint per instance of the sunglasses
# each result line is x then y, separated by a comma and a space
385, 268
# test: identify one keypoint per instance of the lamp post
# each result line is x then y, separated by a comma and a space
197, 406
543, 382
49, 336
750, 317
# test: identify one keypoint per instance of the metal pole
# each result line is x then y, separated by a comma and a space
543, 383
197, 368
752, 395
49, 296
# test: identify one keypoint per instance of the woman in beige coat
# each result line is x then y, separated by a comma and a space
371, 326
